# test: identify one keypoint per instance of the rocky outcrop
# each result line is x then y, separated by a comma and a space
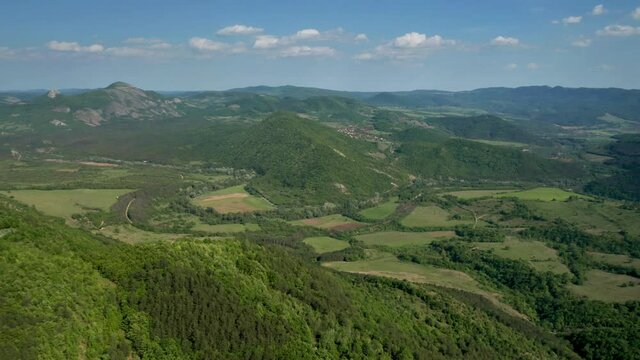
88, 116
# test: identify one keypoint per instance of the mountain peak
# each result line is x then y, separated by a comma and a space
119, 84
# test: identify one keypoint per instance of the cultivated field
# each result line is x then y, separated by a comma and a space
604, 286
132, 235
596, 217
535, 253
225, 228
432, 216
381, 211
398, 238
64, 203
332, 222
232, 200
616, 260
474, 194
543, 194
325, 244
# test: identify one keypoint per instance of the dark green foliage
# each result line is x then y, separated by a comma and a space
471, 160
480, 234
487, 127
625, 182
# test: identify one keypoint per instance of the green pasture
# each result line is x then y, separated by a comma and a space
381, 211
543, 194
399, 238
535, 253
334, 222
432, 215
232, 200
605, 286
325, 244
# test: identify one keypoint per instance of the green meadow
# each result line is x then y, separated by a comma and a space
543, 194
325, 244
535, 253
432, 215
381, 211
399, 238
605, 286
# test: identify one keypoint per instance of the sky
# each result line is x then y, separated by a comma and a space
374, 45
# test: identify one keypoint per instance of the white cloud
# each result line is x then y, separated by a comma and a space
128, 51
533, 66
207, 45
571, 20
581, 43
240, 30
505, 41
6, 53
417, 40
598, 10
142, 41
266, 42
619, 30
512, 66
411, 45
74, 47
305, 34
364, 56
361, 37
319, 51
636, 13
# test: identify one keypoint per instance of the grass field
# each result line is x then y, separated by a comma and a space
325, 244
64, 203
132, 235
381, 211
604, 286
398, 238
616, 260
536, 253
333, 222
501, 143
474, 194
388, 265
597, 217
226, 228
431, 216
543, 194
232, 200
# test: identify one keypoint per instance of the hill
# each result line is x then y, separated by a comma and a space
301, 160
487, 127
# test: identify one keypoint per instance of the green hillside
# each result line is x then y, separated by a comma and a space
486, 127
299, 160
67, 294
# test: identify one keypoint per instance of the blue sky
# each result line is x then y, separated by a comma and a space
347, 44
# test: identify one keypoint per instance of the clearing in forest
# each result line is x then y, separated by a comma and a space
541, 257
480, 193
616, 260
543, 194
331, 222
432, 215
605, 286
325, 244
64, 203
232, 200
380, 211
399, 238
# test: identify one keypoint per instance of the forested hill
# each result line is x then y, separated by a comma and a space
66, 294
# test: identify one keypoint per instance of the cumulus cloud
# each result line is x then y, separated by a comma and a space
319, 51
240, 30
306, 34
619, 30
512, 66
636, 13
361, 37
411, 45
126, 51
266, 42
598, 10
74, 47
581, 43
571, 20
505, 41
203, 44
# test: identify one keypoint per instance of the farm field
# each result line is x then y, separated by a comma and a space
502, 143
64, 203
132, 235
616, 260
431, 216
388, 265
381, 211
543, 194
225, 228
399, 238
331, 222
596, 217
325, 244
232, 200
535, 253
474, 194
604, 286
